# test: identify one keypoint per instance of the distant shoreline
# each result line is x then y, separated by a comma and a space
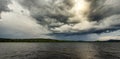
47, 40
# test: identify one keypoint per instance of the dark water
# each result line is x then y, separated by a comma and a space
60, 50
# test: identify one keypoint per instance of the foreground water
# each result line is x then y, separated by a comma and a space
60, 50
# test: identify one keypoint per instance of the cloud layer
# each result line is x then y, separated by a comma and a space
84, 18
73, 15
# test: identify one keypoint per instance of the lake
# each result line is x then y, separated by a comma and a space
108, 50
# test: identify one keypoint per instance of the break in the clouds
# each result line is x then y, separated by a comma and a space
60, 19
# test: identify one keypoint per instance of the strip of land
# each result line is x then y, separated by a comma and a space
47, 40
32, 40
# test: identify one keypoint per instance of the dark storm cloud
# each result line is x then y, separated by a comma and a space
42, 8
101, 9
48, 12
3, 5
46, 7
54, 13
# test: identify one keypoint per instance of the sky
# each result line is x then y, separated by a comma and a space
87, 20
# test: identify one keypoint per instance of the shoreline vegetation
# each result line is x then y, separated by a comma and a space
47, 40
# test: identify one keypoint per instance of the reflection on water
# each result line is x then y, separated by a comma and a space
59, 51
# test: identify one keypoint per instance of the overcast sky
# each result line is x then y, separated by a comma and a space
60, 19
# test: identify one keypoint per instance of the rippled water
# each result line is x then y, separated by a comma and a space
59, 50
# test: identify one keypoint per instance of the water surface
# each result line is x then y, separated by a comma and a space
60, 50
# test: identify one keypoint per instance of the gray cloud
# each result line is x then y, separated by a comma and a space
17, 24
104, 8
3, 5
14, 25
55, 14
83, 17
55, 10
